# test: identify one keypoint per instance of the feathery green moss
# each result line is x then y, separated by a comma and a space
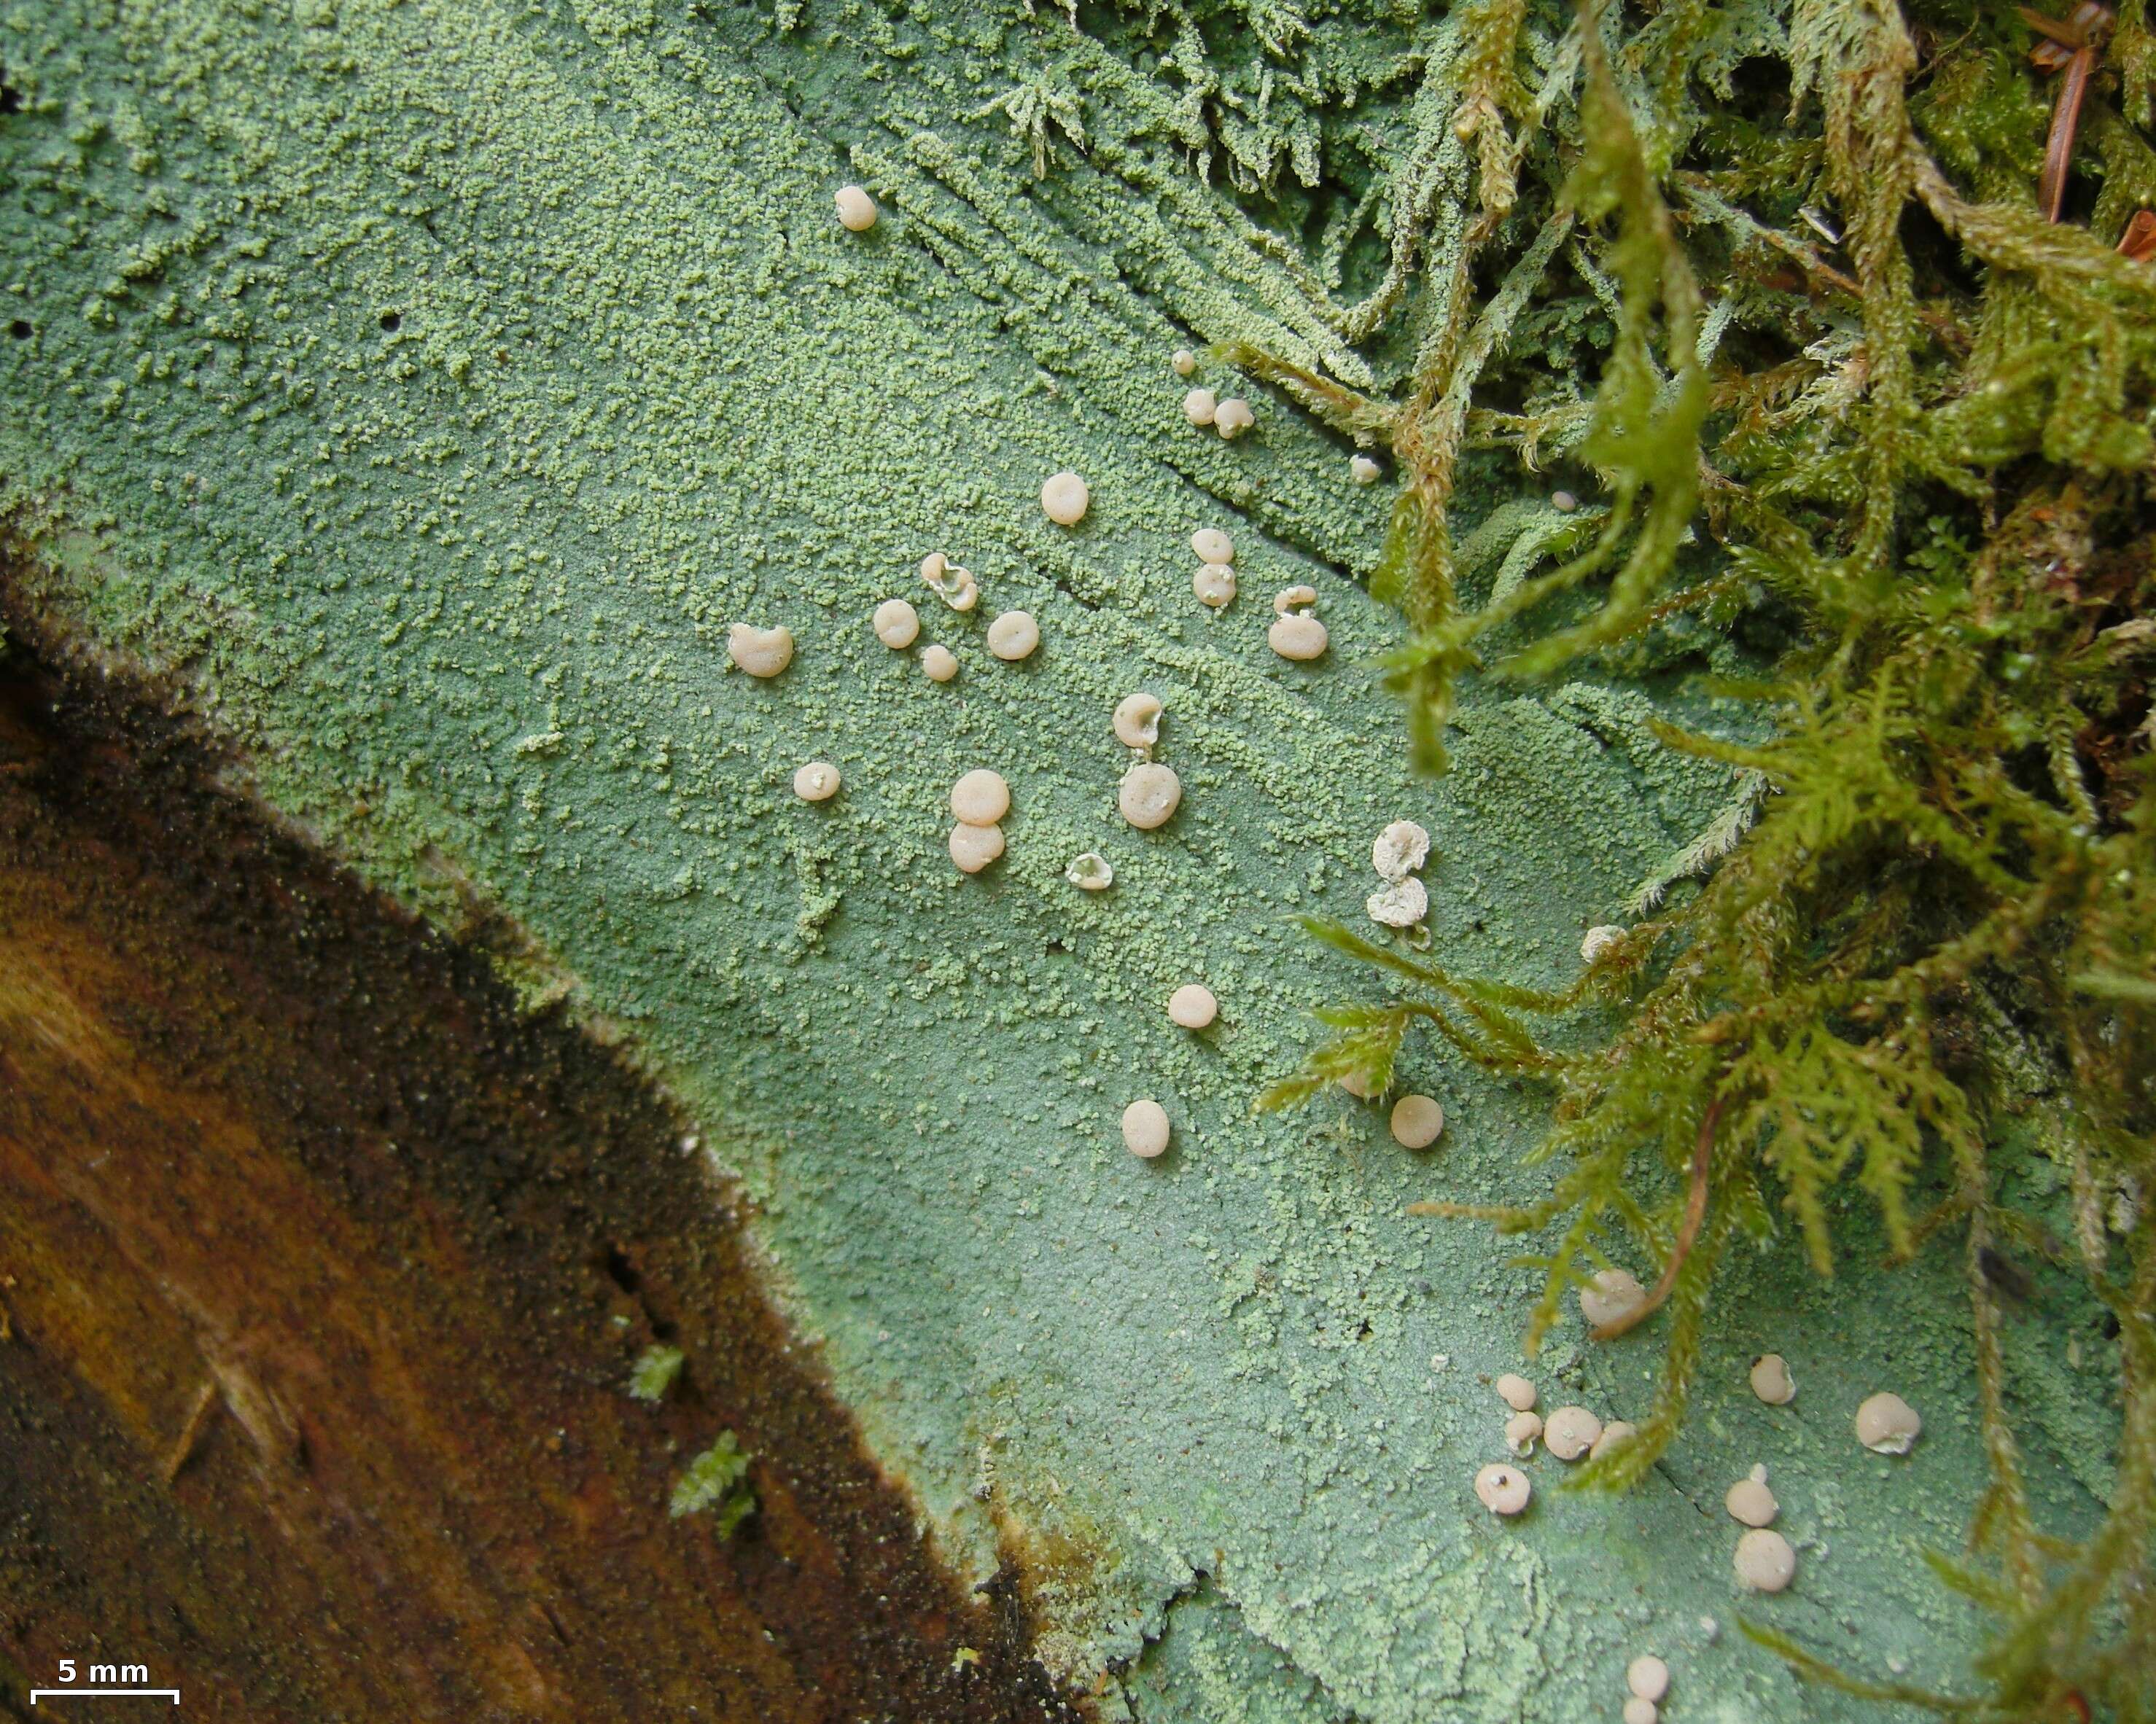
716, 1482
653, 1372
1908, 448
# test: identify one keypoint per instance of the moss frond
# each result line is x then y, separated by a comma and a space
716, 1483
1911, 437
653, 1372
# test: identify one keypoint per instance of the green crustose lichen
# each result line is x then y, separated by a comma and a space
425, 386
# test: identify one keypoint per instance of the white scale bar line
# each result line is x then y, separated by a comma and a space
174, 1692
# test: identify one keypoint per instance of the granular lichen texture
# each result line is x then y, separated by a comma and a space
427, 388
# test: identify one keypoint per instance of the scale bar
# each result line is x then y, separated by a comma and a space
174, 1692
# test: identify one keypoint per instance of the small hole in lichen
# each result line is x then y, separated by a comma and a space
391, 322
20, 330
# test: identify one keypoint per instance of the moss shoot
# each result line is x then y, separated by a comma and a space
716, 1483
1905, 458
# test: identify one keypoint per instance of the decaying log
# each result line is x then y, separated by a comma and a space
321, 1272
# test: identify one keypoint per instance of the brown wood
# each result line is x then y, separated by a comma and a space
321, 1272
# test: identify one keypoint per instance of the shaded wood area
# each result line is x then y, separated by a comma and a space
321, 1273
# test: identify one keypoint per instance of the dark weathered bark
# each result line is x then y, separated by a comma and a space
321, 1274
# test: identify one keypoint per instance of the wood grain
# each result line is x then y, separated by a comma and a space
321, 1274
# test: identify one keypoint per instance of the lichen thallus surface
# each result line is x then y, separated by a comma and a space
1904, 454
1893, 489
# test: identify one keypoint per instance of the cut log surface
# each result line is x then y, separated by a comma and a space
418, 394
322, 1275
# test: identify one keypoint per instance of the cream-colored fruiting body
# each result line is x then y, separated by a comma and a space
1771, 1380
1504, 1489
1212, 545
1199, 406
1145, 1129
1887, 1424
1563, 502
1091, 872
1764, 1562
761, 652
1400, 904
1215, 584
1640, 1711
1148, 795
857, 210
1516, 1392
1521, 1430
1648, 1678
1183, 361
1064, 499
816, 781
1400, 849
1354, 1085
1013, 636
897, 624
955, 585
1363, 469
1233, 417
1597, 942
1299, 637
1416, 1121
1294, 599
1613, 1433
1750, 1501
980, 797
1193, 1006
1613, 1296
972, 848
1137, 721
1570, 1432
939, 664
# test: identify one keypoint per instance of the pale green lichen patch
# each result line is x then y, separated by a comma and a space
434, 387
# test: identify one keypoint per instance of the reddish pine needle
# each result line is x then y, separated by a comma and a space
2071, 46
1702, 1154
